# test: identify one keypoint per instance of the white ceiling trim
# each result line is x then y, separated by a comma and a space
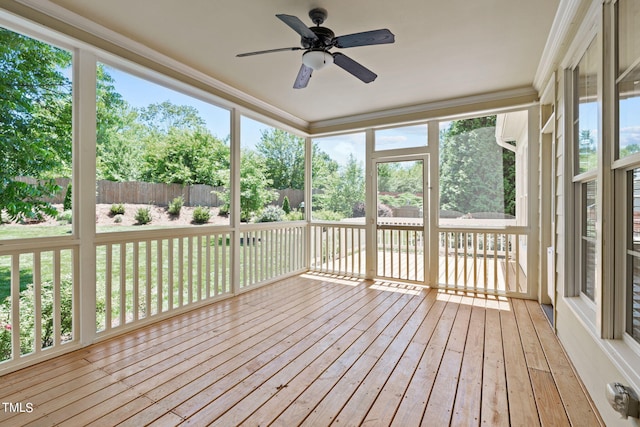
387, 116
57, 12
556, 41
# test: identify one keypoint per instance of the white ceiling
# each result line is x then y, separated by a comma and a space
443, 50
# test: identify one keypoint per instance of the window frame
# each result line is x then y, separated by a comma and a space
624, 169
587, 310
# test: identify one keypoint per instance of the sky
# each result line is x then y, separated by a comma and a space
141, 93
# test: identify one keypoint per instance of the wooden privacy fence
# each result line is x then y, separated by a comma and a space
137, 192
157, 194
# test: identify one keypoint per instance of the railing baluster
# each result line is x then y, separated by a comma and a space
484, 262
181, 289
123, 283
517, 262
15, 306
108, 278
37, 300
226, 246
159, 279
57, 283
506, 262
495, 261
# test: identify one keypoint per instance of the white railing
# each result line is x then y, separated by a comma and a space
401, 252
39, 306
146, 275
271, 250
483, 260
141, 276
338, 248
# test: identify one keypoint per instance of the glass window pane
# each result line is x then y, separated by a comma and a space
400, 192
629, 114
162, 156
633, 257
338, 177
483, 171
589, 215
35, 138
587, 109
403, 137
271, 173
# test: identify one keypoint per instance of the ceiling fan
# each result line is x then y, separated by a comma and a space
317, 41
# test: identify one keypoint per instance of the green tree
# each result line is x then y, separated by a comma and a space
346, 189
472, 170
323, 168
284, 157
184, 156
165, 116
120, 134
35, 123
255, 192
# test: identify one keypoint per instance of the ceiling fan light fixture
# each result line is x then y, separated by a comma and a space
317, 59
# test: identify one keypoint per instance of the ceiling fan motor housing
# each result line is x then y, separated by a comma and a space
324, 40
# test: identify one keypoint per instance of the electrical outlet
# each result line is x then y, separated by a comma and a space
623, 400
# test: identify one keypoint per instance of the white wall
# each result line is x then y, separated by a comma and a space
579, 326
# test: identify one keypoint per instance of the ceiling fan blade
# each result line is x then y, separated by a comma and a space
260, 52
304, 75
298, 26
365, 39
353, 67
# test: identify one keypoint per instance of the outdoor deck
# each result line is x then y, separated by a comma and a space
316, 350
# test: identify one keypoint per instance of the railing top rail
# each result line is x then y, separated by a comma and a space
8, 247
160, 233
337, 224
400, 227
272, 225
509, 229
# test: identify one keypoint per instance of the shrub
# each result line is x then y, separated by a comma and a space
294, 216
66, 204
27, 321
176, 206
143, 216
117, 209
270, 214
286, 206
65, 216
325, 215
201, 215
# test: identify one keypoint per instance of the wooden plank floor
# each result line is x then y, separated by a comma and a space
316, 350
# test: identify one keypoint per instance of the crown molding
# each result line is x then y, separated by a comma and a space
226, 95
433, 110
563, 23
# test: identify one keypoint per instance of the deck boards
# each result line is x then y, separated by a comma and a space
317, 350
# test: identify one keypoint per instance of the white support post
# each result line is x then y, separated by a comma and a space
432, 191
532, 248
84, 190
234, 208
308, 198
371, 208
